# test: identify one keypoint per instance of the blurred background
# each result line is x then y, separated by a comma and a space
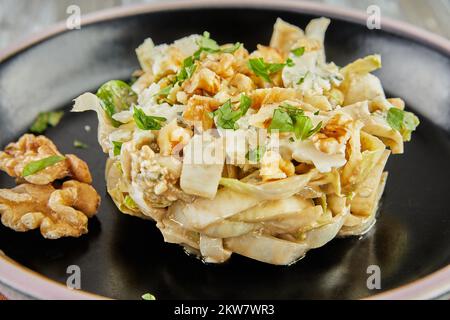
20, 18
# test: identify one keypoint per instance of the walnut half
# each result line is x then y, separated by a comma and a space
32, 148
58, 213
59, 208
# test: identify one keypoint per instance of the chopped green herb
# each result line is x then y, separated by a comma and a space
165, 91
54, 117
232, 49
40, 124
303, 127
292, 110
207, 44
298, 52
274, 67
116, 96
146, 122
117, 147
161, 96
187, 70
129, 202
227, 116
402, 121
288, 118
316, 113
395, 118
79, 144
290, 62
148, 296
259, 67
36, 166
281, 121
302, 79
44, 119
244, 103
264, 70
256, 154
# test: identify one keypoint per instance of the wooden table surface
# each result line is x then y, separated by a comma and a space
20, 18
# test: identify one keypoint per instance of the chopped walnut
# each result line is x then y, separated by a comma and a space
222, 65
242, 83
269, 54
31, 148
272, 95
274, 167
334, 135
171, 136
205, 80
57, 212
287, 167
198, 108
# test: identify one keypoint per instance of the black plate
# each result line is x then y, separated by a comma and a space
124, 257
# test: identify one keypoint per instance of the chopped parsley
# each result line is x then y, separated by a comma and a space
44, 119
288, 118
145, 122
187, 70
205, 44
265, 70
227, 115
117, 147
38, 165
290, 62
148, 296
116, 96
164, 92
302, 79
402, 121
298, 52
232, 49
79, 144
129, 203
161, 96
281, 121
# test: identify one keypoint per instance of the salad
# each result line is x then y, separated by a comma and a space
266, 154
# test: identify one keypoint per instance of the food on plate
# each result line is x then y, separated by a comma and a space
267, 154
54, 192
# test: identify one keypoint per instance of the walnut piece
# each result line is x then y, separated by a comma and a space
31, 148
205, 80
334, 135
58, 213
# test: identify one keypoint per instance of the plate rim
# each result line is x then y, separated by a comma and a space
31, 284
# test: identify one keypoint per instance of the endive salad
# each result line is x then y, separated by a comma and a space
266, 154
